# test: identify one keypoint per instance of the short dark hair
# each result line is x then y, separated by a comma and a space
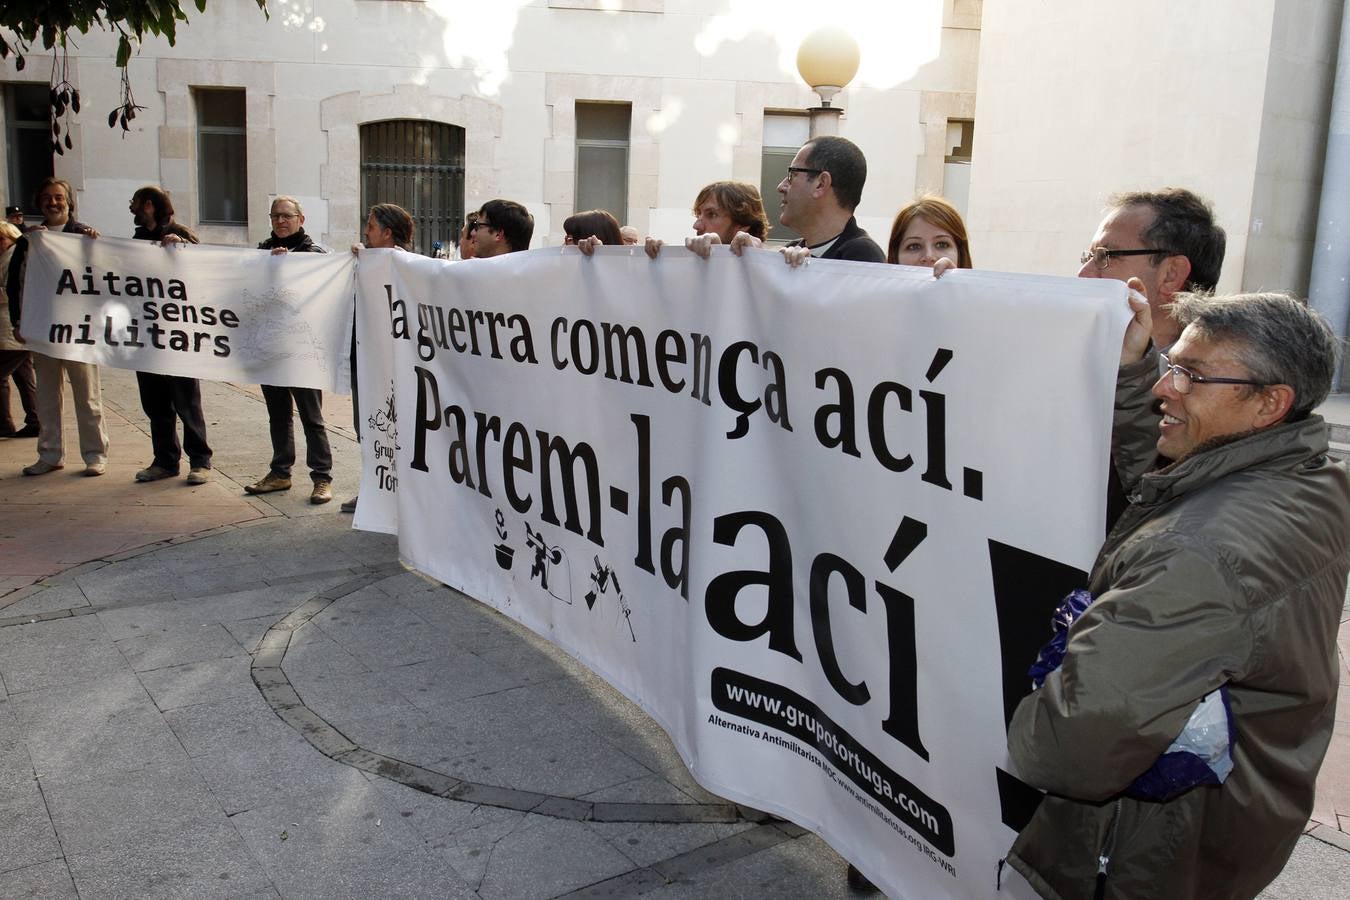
1276, 337
1183, 223
511, 219
53, 181
741, 202
845, 163
397, 220
593, 223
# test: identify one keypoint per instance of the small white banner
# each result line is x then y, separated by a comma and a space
812, 521
195, 310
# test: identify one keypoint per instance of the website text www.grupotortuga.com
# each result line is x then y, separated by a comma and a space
884, 792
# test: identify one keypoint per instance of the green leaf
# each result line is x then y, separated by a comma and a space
123, 52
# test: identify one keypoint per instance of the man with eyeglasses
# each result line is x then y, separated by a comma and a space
1186, 709
288, 236
1168, 239
502, 226
822, 188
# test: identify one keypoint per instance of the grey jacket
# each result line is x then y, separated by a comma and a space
1228, 567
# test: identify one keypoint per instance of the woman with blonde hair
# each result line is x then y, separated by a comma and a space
927, 230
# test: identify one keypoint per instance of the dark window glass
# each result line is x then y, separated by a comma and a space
28, 141
774, 167
222, 156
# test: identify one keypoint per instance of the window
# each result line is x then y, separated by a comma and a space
222, 157
419, 166
602, 157
784, 135
956, 165
28, 139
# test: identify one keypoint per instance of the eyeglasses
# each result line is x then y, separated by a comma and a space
282, 216
1183, 378
793, 170
1102, 257
474, 226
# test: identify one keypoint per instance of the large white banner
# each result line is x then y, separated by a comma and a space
813, 521
219, 313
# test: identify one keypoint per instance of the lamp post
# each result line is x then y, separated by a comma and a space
827, 60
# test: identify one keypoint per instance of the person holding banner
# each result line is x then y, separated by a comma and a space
169, 398
927, 231
722, 210
502, 226
15, 361
822, 188
388, 227
56, 200
288, 236
1187, 701
594, 226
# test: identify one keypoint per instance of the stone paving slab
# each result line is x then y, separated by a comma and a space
47, 880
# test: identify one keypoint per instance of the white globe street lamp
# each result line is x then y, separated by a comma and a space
827, 60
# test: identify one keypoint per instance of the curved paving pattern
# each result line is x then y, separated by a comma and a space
268, 672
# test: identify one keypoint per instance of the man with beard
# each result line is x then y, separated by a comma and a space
169, 398
288, 236
56, 200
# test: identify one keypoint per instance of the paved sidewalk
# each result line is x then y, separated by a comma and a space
206, 694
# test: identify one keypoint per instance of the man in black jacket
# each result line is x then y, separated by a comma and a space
288, 236
168, 398
822, 188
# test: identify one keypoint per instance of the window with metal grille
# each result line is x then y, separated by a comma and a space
28, 140
418, 165
222, 156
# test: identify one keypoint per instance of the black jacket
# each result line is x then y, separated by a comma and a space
852, 243
296, 243
15, 276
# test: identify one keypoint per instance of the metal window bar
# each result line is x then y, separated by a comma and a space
419, 166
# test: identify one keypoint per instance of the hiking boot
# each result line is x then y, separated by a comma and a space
154, 473
271, 482
199, 475
26, 431
41, 468
348, 506
322, 493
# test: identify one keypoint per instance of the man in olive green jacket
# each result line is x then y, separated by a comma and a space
1228, 569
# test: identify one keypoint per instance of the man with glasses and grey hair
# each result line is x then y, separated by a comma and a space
288, 236
1168, 239
1188, 699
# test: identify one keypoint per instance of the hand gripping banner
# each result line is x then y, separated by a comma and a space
812, 521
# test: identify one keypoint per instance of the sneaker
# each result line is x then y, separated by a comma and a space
154, 473
41, 468
199, 475
348, 506
93, 470
26, 431
271, 482
322, 493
